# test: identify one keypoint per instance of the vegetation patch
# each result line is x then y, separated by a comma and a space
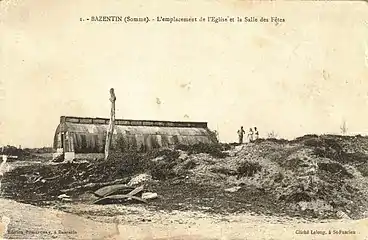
363, 169
293, 164
214, 150
248, 169
225, 171
190, 164
14, 151
334, 168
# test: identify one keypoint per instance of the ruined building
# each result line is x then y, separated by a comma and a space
75, 135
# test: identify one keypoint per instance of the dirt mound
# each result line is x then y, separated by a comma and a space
312, 176
316, 176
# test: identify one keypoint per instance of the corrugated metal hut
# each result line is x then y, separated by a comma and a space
88, 135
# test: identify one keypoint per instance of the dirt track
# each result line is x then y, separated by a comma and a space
137, 223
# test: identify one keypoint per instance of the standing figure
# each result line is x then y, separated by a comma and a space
256, 133
250, 135
241, 133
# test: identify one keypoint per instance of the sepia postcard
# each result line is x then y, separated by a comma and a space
183, 119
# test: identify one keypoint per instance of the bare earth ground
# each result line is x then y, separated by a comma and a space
286, 190
134, 222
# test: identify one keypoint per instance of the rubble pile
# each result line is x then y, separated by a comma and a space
45, 182
312, 176
42, 183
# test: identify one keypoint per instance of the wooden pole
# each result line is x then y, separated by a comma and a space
110, 130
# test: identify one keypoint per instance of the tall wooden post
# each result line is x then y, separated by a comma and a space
110, 130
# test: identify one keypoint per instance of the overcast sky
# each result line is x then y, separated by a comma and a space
303, 76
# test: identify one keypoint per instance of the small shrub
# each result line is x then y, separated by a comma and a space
225, 171
128, 162
333, 144
248, 169
214, 135
162, 170
167, 154
357, 158
274, 140
190, 164
299, 197
14, 151
215, 150
344, 128
39, 150
225, 146
293, 164
272, 134
330, 148
334, 168
305, 138
279, 177
363, 169
312, 142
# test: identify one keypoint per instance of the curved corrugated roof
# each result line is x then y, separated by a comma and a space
91, 137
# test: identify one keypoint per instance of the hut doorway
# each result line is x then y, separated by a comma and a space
62, 140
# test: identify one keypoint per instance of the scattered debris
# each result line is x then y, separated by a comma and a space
139, 179
312, 176
183, 155
149, 195
233, 189
58, 157
108, 190
64, 197
87, 197
90, 186
118, 199
107, 197
136, 191
342, 215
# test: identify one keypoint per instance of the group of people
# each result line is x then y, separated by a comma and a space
253, 134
